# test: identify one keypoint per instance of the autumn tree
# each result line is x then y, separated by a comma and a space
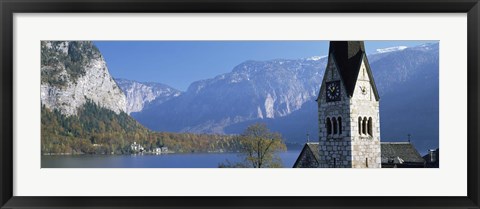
259, 147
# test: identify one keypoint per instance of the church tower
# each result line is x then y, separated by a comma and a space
348, 110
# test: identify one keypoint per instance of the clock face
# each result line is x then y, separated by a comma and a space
364, 91
333, 91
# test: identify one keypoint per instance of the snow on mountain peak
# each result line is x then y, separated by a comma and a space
316, 58
391, 49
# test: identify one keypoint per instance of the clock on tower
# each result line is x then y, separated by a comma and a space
333, 91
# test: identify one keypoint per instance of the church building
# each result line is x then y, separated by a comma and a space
348, 114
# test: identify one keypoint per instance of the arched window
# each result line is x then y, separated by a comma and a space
328, 125
359, 125
335, 127
339, 125
370, 125
364, 125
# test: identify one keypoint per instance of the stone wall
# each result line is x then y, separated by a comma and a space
349, 149
334, 149
365, 147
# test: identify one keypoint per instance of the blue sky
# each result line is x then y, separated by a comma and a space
179, 63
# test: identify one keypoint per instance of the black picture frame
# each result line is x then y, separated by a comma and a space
9, 7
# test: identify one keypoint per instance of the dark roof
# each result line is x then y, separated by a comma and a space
348, 56
400, 152
314, 148
309, 148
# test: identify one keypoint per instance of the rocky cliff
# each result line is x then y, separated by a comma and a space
73, 72
141, 94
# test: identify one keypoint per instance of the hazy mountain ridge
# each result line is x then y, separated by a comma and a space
140, 95
410, 104
400, 66
254, 89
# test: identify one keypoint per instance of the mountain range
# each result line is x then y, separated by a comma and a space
282, 93
279, 92
141, 94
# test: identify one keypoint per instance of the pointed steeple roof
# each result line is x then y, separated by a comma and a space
348, 56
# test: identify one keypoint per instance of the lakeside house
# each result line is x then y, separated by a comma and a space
164, 149
160, 150
136, 147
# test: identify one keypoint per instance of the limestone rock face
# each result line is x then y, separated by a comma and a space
73, 72
143, 94
252, 90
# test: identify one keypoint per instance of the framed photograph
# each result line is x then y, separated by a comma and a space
264, 104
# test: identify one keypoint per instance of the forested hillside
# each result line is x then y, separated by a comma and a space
97, 130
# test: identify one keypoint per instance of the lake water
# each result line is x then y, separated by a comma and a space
191, 160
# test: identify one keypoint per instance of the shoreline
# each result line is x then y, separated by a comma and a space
168, 153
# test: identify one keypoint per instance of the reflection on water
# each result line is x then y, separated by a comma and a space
191, 160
